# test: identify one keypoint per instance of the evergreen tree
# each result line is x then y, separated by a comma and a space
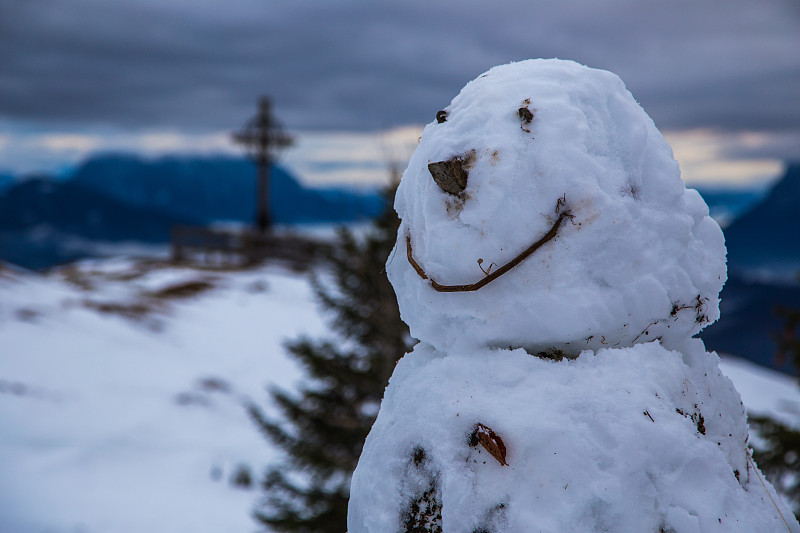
789, 339
325, 423
779, 455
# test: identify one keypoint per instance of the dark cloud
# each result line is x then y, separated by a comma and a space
199, 65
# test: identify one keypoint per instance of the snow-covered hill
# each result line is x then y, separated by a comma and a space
121, 387
121, 391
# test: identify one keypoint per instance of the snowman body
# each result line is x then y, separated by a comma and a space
554, 268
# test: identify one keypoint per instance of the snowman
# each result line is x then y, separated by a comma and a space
555, 270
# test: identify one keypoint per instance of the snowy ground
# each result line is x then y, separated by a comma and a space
121, 388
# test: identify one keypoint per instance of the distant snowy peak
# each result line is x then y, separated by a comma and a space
44, 221
765, 242
6, 180
218, 188
726, 204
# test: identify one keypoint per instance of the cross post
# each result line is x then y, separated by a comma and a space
263, 137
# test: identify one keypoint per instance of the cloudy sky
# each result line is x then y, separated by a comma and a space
720, 77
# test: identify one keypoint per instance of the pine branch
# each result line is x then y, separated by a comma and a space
788, 341
323, 425
779, 458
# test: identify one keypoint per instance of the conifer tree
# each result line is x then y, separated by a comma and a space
789, 339
778, 455
326, 421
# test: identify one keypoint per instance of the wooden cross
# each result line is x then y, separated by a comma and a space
263, 137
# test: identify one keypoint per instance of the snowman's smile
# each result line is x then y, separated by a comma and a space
562, 212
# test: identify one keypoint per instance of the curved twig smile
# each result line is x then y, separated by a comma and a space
500, 271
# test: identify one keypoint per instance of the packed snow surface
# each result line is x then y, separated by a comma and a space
637, 258
114, 423
555, 268
624, 440
123, 388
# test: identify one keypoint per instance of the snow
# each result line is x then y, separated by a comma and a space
765, 392
115, 422
576, 356
96, 441
614, 454
122, 382
638, 258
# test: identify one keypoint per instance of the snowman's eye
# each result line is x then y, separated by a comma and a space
441, 116
450, 175
525, 115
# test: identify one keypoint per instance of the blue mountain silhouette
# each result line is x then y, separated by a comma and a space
767, 238
763, 268
219, 188
116, 198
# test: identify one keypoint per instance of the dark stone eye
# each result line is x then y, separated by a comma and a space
441, 116
525, 114
450, 175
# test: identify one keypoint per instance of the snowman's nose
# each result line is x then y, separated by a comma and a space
450, 175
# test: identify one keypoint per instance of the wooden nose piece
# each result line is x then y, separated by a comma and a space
449, 175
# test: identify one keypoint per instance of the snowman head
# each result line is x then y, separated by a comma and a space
543, 209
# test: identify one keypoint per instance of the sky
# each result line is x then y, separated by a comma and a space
355, 80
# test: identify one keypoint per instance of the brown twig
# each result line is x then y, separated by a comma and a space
497, 273
645, 330
750, 460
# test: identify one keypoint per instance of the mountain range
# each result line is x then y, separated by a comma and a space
765, 241
218, 189
114, 198
763, 273
726, 203
748, 324
6, 181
